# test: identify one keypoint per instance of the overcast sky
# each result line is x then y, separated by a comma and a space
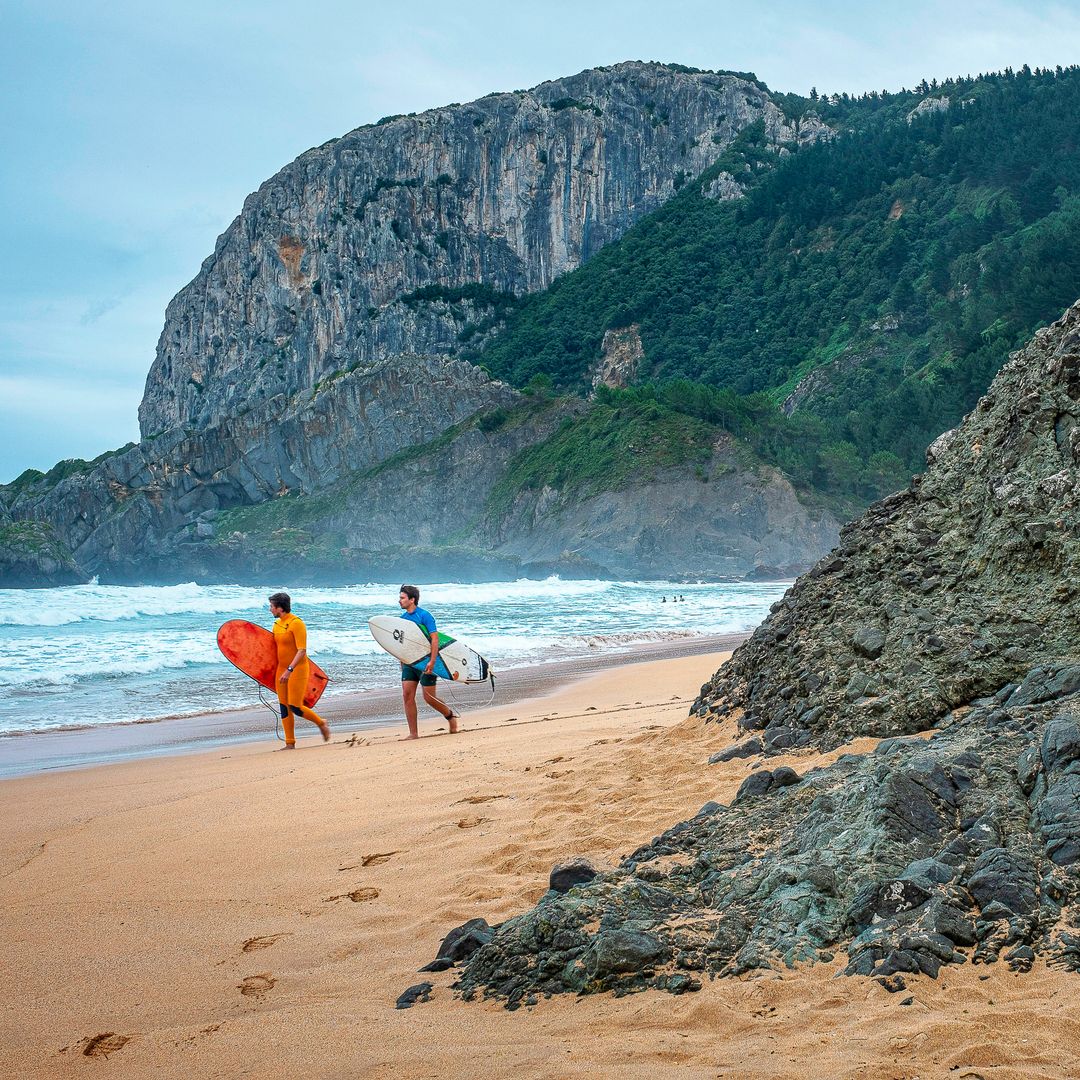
132, 132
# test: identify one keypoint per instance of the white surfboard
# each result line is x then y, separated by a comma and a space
407, 642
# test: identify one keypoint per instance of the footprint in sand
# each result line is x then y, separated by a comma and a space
378, 857
370, 860
357, 896
257, 985
253, 944
471, 822
105, 1044
474, 799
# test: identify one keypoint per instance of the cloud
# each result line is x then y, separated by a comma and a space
101, 307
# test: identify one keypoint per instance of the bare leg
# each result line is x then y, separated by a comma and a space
441, 707
408, 696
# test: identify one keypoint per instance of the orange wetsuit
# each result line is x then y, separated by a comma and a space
290, 636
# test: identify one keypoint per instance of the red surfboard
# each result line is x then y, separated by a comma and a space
251, 648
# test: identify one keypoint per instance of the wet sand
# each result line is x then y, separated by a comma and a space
346, 712
246, 913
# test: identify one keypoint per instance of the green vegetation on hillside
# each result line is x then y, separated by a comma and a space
905, 258
629, 435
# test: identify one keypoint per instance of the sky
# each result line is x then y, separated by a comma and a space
132, 132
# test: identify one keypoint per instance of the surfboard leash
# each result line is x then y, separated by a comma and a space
276, 712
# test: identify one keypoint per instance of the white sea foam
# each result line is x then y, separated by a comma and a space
107, 654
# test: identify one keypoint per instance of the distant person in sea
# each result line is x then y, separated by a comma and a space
293, 670
413, 674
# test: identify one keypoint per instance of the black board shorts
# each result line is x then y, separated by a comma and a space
412, 673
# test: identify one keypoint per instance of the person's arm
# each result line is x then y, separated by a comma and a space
434, 648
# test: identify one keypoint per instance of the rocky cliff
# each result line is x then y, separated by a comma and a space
318, 342
366, 247
946, 621
148, 511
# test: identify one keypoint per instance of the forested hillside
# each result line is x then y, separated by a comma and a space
899, 262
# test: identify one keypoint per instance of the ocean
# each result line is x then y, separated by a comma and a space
87, 655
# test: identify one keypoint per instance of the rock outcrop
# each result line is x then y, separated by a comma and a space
722, 519
31, 556
148, 511
941, 594
946, 620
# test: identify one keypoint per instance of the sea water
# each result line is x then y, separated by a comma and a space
86, 655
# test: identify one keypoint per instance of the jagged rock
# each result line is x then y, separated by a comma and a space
746, 748
463, 941
868, 641
959, 845
418, 993
991, 531
568, 874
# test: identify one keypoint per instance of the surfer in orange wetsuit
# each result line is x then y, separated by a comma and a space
293, 670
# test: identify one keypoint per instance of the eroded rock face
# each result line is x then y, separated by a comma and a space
149, 511
923, 853
946, 619
32, 556
942, 594
724, 520
320, 269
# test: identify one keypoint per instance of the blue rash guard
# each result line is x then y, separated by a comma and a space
415, 672
422, 619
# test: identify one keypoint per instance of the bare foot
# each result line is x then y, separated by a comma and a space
287, 746
452, 720
408, 738
325, 729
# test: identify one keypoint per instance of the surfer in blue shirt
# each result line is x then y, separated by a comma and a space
412, 674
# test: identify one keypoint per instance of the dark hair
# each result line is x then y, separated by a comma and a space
412, 592
283, 601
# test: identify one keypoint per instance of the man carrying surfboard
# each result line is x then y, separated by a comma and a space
412, 674
290, 637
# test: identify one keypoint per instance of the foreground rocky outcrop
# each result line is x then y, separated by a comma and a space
946, 618
942, 593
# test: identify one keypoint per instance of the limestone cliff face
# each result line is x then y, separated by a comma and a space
722, 520
509, 191
147, 512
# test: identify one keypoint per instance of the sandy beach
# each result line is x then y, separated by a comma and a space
238, 913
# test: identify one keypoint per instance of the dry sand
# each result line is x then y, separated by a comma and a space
242, 913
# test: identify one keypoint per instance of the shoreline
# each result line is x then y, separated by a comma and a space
366, 711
